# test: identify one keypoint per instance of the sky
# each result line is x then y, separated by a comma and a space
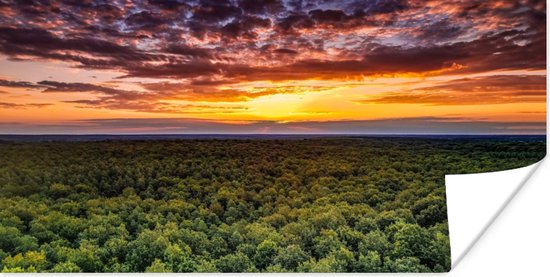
272, 66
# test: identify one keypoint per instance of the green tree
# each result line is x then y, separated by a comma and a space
18, 270
30, 261
9, 238
374, 241
148, 246
407, 264
430, 210
369, 262
205, 266
325, 243
59, 190
27, 243
327, 264
66, 267
86, 257
345, 260
234, 263
157, 266
412, 241
265, 254
291, 256
179, 259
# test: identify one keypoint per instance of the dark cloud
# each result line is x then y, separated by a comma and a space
108, 13
442, 30
324, 16
243, 28
145, 20
210, 11
262, 6
295, 21
174, 5
388, 6
189, 51
191, 69
18, 84
53, 86
260, 40
389, 59
84, 50
285, 51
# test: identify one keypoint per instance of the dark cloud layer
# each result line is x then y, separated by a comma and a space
18, 84
227, 39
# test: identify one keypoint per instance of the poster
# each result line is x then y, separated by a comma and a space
257, 136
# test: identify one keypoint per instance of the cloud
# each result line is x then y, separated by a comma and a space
285, 51
442, 30
6, 105
188, 51
18, 84
389, 6
224, 39
87, 52
497, 89
145, 20
54, 86
264, 7
172, 5
158, 107
294, 21
209, 11
244, 27
493, 52
395, 126
28, 40
154, 96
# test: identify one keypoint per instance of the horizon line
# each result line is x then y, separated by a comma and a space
276, 134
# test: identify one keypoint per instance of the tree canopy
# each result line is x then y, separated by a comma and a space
242, 205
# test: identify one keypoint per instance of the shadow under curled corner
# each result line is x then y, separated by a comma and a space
474, 202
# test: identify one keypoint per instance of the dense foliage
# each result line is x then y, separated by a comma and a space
312, 205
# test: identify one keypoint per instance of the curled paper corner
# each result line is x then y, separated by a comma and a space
474, 202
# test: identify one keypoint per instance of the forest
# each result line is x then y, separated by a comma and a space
323, 204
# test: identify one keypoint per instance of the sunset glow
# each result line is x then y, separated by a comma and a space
273, 66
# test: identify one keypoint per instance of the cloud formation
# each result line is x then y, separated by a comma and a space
496, 89
308, 38
152, 96
18, 84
